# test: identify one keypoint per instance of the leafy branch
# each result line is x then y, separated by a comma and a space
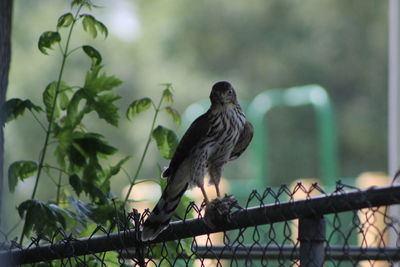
166, 139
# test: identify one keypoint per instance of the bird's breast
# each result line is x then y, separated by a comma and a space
224, 132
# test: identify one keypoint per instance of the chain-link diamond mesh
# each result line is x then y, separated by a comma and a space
349, 227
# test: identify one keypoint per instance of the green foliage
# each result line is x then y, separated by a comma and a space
138, 106
65, 20
167, 141
42, 217
91, 25
49, 98
79, 153
93, 54
47, 40
176, 117
83, 196
20, 170
167, 94
15, 107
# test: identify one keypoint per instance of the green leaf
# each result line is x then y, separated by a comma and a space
86, 3
76, 183
64, 100
176, 117
167, 94
88, 24
47, 39
41, 217
20, 170
114, 170
49, 96
92, 144
15, 107
65, 20
74, 115
167, 141
64, 138
93, 54
95, 83
95, 193
102, 28
105, 108
138, 106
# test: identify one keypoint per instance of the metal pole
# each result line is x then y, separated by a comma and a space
394, 87
312, 231
312, 241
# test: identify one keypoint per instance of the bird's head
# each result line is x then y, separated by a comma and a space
223, 94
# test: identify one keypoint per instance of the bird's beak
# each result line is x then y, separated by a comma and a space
222, 102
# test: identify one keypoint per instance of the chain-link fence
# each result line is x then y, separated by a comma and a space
277, 227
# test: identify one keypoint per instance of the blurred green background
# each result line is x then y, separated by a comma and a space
256, 45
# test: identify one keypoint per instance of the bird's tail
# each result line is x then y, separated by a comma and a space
161, 215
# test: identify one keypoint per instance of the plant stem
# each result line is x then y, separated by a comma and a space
157, 110
59, 188
49, 127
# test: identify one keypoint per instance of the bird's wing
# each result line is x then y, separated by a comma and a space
197, 130
244, 140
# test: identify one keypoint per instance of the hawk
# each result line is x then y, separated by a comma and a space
216, 137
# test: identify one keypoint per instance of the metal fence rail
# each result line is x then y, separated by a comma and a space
344, 226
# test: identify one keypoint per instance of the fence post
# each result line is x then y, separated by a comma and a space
312, 231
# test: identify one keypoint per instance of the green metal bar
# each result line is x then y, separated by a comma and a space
313, 95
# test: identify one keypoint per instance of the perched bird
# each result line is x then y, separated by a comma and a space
216, 137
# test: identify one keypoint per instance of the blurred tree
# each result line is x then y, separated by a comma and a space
256, 45
341, 45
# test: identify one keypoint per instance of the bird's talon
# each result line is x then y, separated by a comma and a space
218, 211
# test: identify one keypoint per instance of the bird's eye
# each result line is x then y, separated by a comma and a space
229, 92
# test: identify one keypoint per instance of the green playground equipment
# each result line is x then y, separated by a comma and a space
313, 95
256, 112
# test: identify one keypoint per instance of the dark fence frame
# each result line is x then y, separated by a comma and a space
309, 211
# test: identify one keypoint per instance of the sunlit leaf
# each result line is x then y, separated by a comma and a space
74, 115
65, 20
64, 100
167, 95
88, 24
19, 171
96, 83
49, 97
93, 54
47, 39
15, 107
166, 140
138, 106
176, 117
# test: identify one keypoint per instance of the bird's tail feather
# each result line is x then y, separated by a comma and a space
161, 215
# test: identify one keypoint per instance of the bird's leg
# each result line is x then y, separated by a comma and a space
215, 171
206, 200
